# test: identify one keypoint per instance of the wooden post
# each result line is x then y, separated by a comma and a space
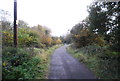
15, 23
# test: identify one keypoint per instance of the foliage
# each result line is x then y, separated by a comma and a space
17, 62
47, 40
56, 40
96, 40
62, 38
68, 39
104, 20
31, 58
27, 37
81, 36
103, 62
7, 38
26, 63
36, 36
101, 27
22, 24
4, 20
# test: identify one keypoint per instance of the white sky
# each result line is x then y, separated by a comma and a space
58, 15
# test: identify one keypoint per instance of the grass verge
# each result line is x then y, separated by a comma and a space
102, 62
45, 61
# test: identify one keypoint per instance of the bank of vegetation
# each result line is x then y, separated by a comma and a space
96, 40
31, 58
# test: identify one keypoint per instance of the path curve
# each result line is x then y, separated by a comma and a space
64, 66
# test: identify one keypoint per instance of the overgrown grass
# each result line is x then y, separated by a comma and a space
26, 63
103, 62
45, 61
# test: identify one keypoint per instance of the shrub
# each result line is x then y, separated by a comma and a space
7, 38
18, 63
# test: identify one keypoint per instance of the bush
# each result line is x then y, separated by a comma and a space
27, 37
19, 64
7, 38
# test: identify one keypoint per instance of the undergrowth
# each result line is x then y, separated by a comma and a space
103, 62
26, 63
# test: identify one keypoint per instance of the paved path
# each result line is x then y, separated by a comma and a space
64, 66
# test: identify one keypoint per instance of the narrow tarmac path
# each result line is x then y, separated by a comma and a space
64, 66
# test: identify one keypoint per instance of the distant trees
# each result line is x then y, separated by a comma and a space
22, 24
36, 36
4, 19
56, 40
6, 29
68, 39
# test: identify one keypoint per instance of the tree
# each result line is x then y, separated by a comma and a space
58, 41
62, 38
98, 18
115, 31
4, 19
104, 21
68, 39
22, 24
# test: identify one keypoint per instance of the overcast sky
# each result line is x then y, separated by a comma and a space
58, 15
